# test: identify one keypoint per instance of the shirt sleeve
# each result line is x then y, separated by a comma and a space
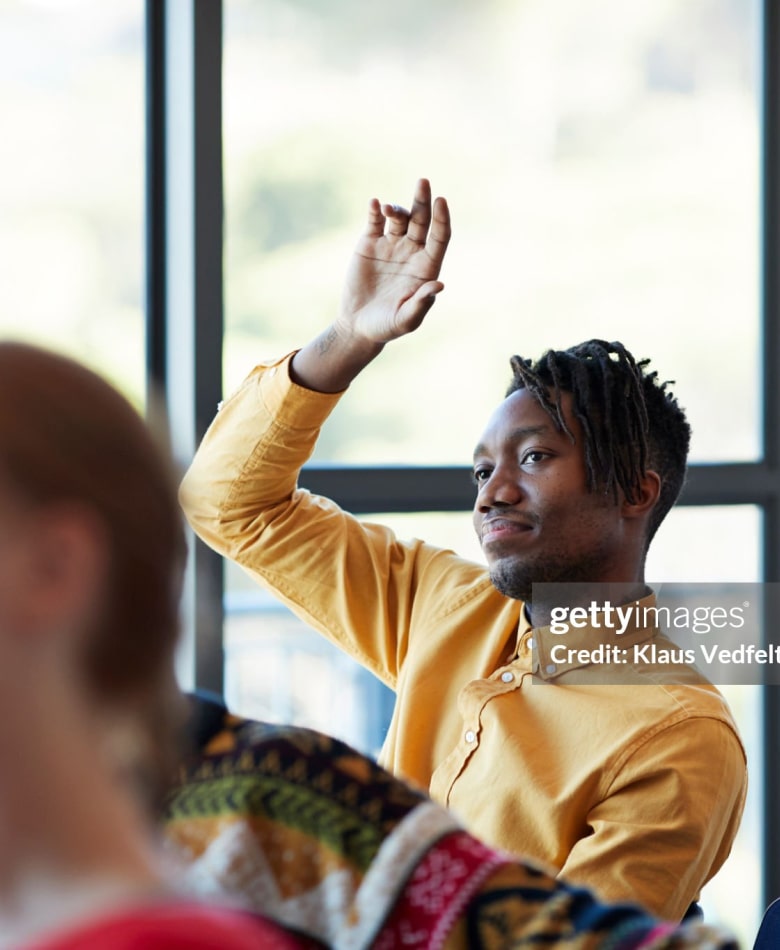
352, 581
667, 820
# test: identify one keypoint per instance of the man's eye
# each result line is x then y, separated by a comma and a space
480, 475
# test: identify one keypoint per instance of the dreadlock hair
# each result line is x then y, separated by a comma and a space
631, 422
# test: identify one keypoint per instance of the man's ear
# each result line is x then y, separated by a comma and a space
646, 497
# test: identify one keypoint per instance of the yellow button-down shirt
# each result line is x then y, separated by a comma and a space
634, 791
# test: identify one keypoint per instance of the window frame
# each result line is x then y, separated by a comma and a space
184, 324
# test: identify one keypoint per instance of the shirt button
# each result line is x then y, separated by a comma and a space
507, 677
550, 668
529, 643
470, 736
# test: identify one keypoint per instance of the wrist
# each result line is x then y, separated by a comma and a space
331, 361
343, 336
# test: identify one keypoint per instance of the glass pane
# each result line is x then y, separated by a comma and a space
602, 165
713, 543
734, 896
601, 161
279, 669
723, 544
71, 181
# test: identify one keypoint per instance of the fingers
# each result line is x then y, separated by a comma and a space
426, 226
420, 218
440, 232
376, 220
397, 220
392, 217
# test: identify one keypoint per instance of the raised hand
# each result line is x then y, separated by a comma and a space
392, 278
391, 284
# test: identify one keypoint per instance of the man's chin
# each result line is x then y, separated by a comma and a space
510, 581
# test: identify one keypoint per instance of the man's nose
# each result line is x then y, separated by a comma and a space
502, 490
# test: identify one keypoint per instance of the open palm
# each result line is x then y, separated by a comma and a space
392, 278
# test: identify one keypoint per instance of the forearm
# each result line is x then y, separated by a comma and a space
241, 469
240, 497
669, 821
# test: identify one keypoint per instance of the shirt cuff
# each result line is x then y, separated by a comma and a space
291, 405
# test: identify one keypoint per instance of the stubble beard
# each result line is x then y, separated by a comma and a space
515, 578
511, 580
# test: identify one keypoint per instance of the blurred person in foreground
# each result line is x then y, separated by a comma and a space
631, 785
91, 555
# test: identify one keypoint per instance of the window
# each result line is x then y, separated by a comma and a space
602, 164
607, 162
71, 188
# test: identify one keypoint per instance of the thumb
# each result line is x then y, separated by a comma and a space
414, 309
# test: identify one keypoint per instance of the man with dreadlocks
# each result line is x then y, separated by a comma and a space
634, 792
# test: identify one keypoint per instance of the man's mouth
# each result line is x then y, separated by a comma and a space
503, 528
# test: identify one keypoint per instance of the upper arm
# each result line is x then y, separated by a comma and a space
348, 581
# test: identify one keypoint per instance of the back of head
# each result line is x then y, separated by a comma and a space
630, 421
69, 438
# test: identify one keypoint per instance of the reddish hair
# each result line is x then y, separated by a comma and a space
67, 436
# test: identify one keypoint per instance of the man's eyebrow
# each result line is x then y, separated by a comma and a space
518, 435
